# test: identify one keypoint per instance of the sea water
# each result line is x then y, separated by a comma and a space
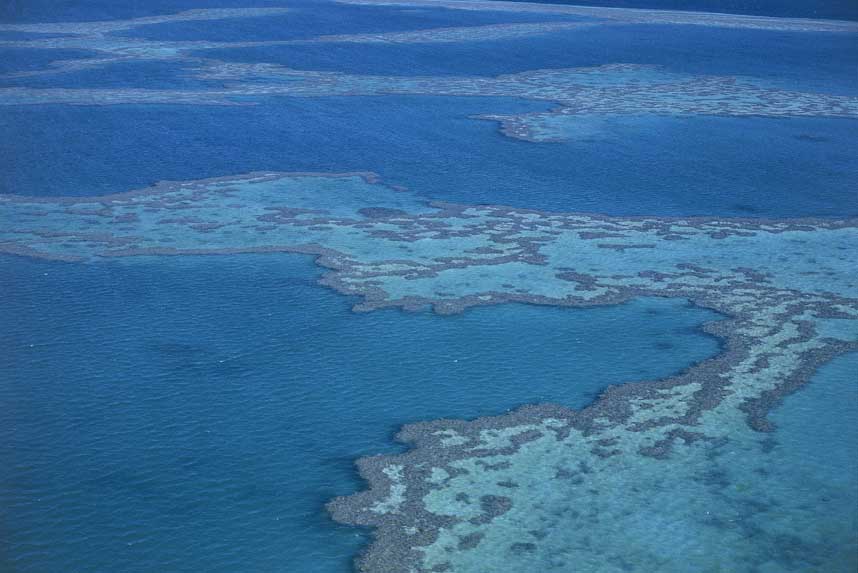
196, 413
191, 414
760, 167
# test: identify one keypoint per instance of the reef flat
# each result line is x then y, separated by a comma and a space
582, 93
584, 96
108, 46
671, 471
544, 483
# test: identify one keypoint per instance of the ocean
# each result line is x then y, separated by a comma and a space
198, 412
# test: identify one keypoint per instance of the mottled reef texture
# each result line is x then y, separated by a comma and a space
543, 487
582, 94
788, 288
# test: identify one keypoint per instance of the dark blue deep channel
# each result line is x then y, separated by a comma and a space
680, 166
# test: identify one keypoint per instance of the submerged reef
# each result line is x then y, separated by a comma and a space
583, 94
108, 47
666, 475
585, 97
593, 489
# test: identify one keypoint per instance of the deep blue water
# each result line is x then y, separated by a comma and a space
20, 36
149, 74
658, 166
804, 61
828, 9
194, 414
312, 20
74, 10
23, 60
24, 11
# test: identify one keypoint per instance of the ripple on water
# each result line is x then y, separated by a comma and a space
192, 414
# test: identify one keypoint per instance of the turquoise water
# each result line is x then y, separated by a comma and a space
820, 448
195, 414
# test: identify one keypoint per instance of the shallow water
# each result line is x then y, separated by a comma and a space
196, 413
730, 506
